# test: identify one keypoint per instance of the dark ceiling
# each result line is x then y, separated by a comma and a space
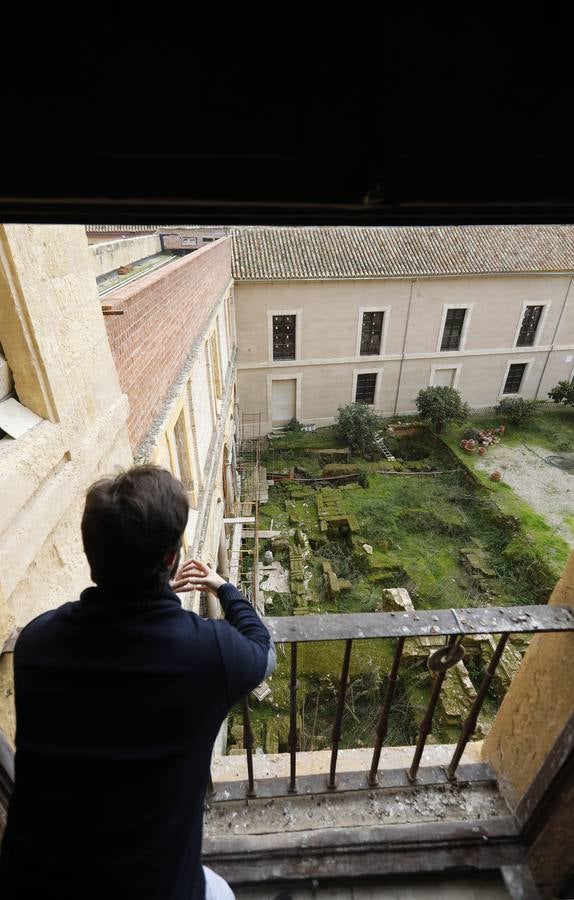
266, 116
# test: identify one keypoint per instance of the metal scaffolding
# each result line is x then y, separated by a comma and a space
245, 550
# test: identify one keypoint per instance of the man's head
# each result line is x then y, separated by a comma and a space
132, 527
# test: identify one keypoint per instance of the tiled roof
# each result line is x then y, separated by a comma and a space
393, 252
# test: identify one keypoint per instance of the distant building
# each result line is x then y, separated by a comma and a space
328, 316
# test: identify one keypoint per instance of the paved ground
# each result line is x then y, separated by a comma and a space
548, 490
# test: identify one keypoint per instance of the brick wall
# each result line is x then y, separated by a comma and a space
163, 316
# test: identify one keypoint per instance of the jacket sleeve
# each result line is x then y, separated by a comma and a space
246, 648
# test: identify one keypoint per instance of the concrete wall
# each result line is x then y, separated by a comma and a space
54, 339
163, 315
110, 255
329, 316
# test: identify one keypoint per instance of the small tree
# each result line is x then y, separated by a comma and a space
360, 428
440, 405
563, 393
517, 409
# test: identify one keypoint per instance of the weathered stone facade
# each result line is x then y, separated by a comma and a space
55, 343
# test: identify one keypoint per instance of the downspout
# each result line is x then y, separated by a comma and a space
413, 282
554, 337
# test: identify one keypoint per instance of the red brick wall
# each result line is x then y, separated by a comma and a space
163, 315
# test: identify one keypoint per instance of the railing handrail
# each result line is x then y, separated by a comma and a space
456, 624
422, 623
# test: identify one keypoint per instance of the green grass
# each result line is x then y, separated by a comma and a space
553, 431
416, 526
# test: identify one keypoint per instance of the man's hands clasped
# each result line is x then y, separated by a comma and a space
193, 575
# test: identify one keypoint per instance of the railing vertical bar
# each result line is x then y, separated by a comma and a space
339, 715
469, 724
293, 685
248, 744
426, 724
383, 723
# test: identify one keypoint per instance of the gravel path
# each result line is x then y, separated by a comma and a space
548, 490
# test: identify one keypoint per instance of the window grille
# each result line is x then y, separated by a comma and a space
452, 329
284, 337
514, 378
530, 322
371, 333
365, 391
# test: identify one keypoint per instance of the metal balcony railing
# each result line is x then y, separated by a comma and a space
453, 624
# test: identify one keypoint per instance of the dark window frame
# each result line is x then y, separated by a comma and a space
511, 385
452, 330
529, 325
371, 335
360, 387
284, 344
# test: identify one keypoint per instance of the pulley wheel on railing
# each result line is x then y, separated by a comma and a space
445, 658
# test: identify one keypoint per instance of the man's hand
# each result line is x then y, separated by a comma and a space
181, 580
193, 575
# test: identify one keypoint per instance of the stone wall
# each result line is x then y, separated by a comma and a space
110, 255
53, 337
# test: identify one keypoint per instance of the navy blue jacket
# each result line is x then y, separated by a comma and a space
119, 699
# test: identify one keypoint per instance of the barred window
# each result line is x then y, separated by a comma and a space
371, 333
365, 391
284, 337
452, 329
514, 378
530, 322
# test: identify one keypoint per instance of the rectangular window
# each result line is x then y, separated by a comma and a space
182, 453
226, 304
452, 329
284, 337
514, 378
371, 333
365, 391
529, 326
214, 353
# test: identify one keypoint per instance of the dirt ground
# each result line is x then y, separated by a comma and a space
548, 490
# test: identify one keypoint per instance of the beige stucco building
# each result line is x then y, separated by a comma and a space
328, 316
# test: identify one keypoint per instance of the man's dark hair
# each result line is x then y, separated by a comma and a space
131, 523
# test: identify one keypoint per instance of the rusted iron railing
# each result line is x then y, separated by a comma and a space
453, 624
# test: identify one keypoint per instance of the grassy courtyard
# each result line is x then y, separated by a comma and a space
429, 521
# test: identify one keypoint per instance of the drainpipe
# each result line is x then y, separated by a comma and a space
404, 346
553, 338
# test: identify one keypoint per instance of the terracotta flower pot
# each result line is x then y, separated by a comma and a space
482, 450
496, 476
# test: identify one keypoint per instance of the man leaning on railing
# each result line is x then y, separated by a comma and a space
119, 698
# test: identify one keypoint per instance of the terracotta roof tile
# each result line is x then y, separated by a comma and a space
270, 253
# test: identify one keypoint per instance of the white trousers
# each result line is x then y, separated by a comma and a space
215, 886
